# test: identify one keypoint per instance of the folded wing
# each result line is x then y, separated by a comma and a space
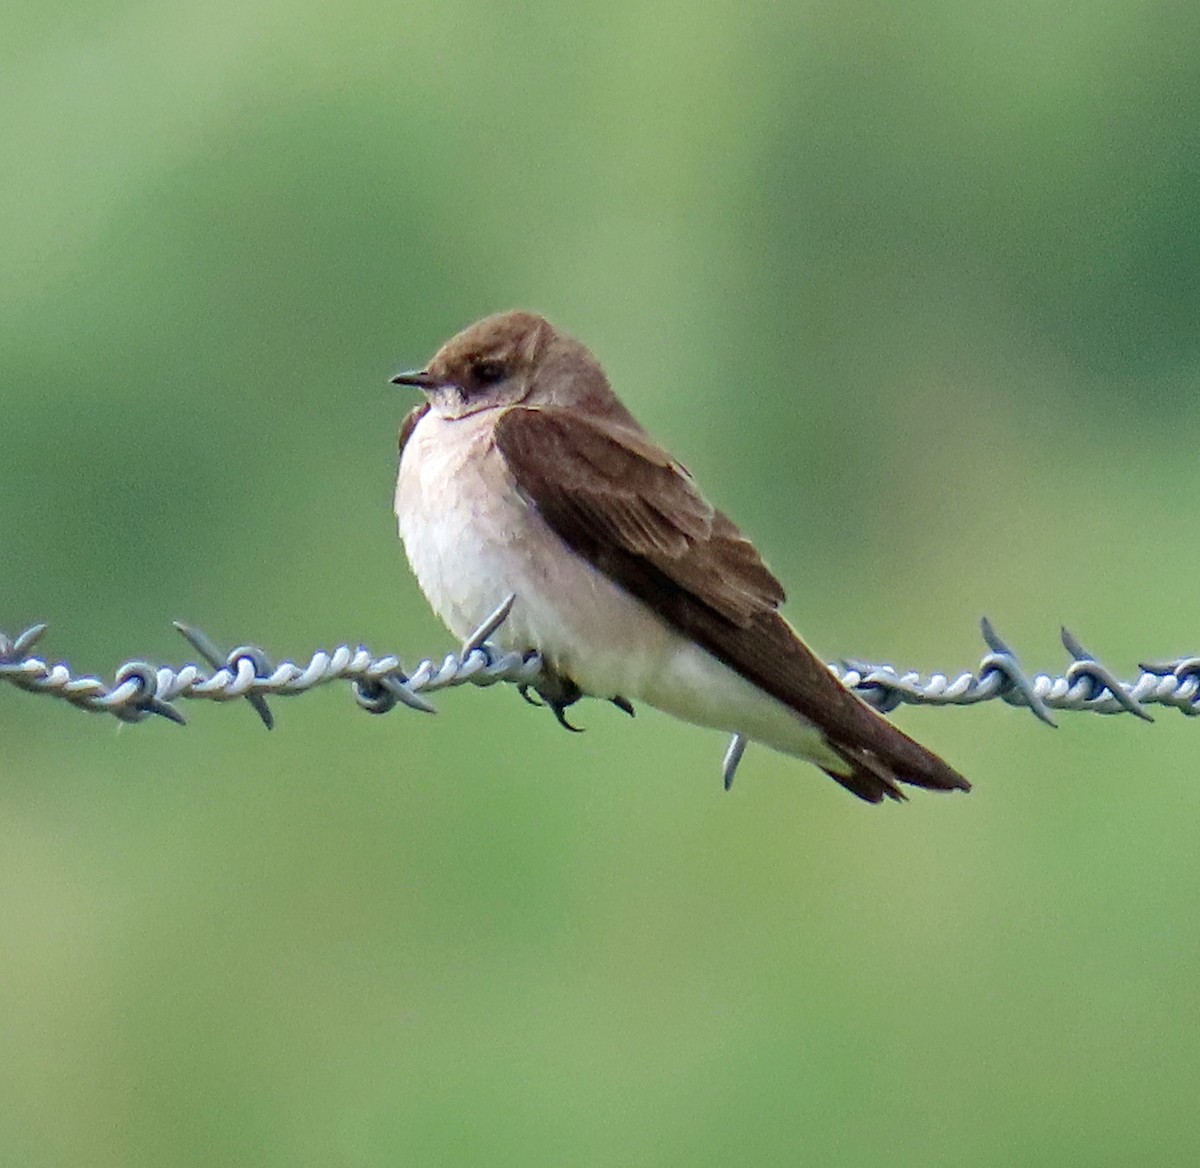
627, 507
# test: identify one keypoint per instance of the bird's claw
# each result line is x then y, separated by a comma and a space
559, 709
523, 690
558, 693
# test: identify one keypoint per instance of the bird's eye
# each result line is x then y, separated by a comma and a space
488, 372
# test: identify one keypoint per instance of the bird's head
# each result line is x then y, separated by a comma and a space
508, 359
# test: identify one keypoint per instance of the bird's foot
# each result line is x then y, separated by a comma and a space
557, 692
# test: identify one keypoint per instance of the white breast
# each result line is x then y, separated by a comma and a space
472, 540
452, 525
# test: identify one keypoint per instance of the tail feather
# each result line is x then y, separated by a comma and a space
875, 771
868, 787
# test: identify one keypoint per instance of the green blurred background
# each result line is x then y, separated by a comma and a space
914, 290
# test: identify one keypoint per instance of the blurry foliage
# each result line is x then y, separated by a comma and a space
912, 289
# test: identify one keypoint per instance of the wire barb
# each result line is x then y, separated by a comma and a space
1101, 677
205, 647
732, 759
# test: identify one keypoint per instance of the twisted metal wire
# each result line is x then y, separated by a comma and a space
141, 690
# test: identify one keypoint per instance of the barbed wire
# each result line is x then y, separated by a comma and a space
140, 690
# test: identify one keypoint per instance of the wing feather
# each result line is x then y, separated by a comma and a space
410, 423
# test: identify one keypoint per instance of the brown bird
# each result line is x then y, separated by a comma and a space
521, 473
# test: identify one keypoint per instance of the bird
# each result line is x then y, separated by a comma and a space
521, 473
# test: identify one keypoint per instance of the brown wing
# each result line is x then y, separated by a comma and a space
628, 508
410, 423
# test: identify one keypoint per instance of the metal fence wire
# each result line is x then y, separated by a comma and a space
141, 690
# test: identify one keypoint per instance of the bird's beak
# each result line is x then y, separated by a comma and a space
418, 379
